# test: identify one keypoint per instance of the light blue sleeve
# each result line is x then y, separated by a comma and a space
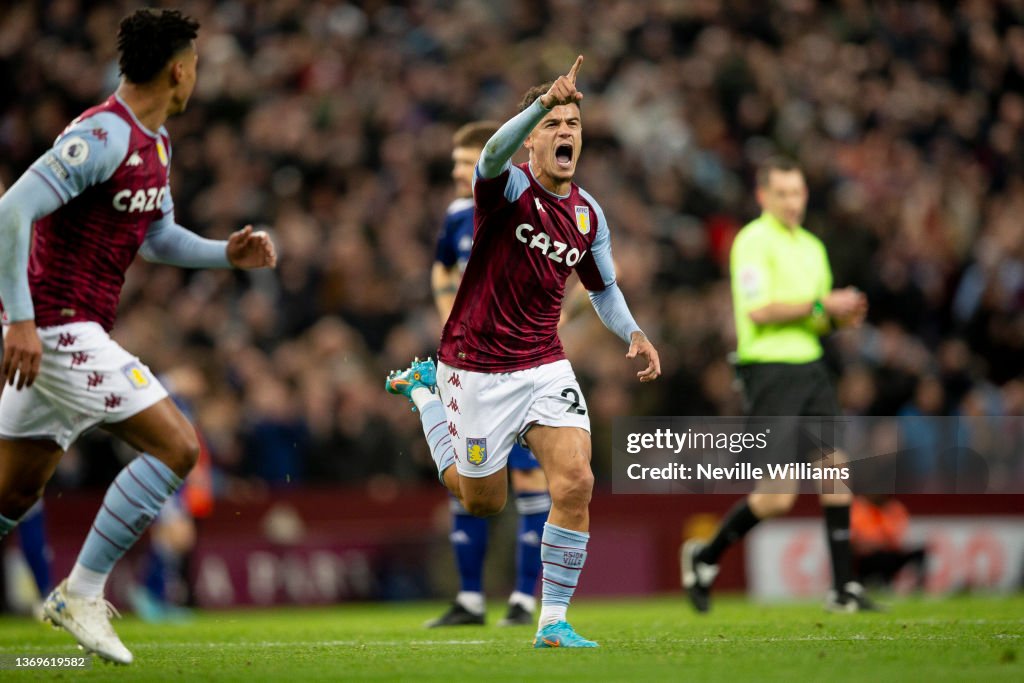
601, 249
498, 151
608, 302
85, 154
496, 157
26, 202
167, 242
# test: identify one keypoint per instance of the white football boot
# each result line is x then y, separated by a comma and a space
88, 620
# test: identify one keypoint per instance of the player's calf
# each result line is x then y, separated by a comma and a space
25, 467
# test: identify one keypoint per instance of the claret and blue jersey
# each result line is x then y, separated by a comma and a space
110, 177
527, 243
97, 198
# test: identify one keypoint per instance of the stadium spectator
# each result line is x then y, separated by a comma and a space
907, 120
878, 530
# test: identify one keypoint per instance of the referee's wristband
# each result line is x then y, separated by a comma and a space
819, 314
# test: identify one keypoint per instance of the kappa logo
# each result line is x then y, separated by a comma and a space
95, 379
453, 430
454, 380
113, 401
66, 339
583, 219
79, 358
134, 159
454, 405
476, 451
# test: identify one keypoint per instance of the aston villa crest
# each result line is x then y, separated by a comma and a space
583, 219
476, 451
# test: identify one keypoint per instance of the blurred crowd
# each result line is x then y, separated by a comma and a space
330, 124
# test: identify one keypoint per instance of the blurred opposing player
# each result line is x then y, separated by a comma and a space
469, 533
87, 206
503, 375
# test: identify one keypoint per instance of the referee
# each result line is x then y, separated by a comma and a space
783, 301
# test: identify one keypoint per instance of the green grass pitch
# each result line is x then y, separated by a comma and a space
658, 639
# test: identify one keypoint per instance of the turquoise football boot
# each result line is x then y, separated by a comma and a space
422, 373
560, 634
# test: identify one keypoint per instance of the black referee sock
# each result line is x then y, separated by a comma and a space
837, 527
737, 523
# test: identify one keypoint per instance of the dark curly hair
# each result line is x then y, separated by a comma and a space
149, 38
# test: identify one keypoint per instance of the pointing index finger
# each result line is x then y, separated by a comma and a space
575, 69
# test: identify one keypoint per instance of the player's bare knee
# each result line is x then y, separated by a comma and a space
188, 455
573, 488
181, 453
484, 507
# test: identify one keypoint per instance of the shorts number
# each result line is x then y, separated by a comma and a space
575, 407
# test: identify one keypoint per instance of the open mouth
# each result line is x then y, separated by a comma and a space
563, 155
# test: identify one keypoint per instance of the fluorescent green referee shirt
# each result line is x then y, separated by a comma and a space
771, 264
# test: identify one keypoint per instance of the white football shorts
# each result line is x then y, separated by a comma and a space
488, 412
85, 379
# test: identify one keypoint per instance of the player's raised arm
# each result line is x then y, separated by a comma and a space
510, 137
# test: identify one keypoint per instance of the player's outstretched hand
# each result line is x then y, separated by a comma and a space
248, 249
23, 352
563, 90
639, 345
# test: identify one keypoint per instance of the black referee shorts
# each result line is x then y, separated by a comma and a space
784, 390
788, 389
